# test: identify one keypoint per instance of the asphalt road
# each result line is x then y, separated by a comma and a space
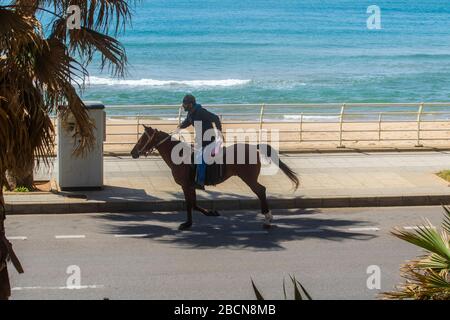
144, 256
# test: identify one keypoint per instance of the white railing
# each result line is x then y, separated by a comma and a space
303, 114
299, 124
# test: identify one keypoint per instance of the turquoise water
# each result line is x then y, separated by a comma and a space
288, 51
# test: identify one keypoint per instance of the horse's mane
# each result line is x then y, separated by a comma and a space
164, 135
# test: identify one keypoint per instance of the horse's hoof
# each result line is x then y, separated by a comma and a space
185, 226
212, 213
268, 217
215, 213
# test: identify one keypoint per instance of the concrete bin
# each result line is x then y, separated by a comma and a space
83, 172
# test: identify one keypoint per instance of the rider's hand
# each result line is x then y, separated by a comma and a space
221, 136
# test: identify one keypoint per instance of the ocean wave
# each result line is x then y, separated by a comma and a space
161, 83
308, 117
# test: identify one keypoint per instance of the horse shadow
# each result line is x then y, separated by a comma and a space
113, 194
239, 230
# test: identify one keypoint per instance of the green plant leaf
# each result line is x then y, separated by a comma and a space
426, 238
434, 262
304, 291
257, 293
297, 293
427, 277
21, 189
438, 281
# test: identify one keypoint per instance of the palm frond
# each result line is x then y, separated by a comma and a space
100, 15
427, 238
446, 222
86, 42
257, 293
304, 291
427, 277
16, 31
297, 293
299, 290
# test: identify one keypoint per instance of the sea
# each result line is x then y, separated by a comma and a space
280, 52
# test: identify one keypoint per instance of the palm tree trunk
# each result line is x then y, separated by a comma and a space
5, 288
22, 178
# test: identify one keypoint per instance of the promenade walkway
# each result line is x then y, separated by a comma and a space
327, 180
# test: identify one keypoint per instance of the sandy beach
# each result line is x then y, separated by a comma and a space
122, 134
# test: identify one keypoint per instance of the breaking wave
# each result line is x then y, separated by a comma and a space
162, 83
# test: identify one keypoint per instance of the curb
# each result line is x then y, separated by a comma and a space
327, 150
223, 204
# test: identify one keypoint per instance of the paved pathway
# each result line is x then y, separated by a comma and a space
323, 176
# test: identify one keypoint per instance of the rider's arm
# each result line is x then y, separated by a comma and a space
217, 122
211, 117
186, 123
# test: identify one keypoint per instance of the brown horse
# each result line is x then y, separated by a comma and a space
184, 173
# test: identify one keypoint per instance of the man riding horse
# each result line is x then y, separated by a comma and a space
202, 120
182, 172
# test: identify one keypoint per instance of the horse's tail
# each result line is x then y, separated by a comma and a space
269, 152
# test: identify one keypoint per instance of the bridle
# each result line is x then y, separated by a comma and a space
142, 150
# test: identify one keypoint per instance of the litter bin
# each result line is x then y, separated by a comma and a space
84, 172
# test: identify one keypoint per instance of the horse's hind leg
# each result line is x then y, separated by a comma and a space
260, 192
189, 196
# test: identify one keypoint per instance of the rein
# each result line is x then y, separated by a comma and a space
150, 139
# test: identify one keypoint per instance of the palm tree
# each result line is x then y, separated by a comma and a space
427, 277
43, 67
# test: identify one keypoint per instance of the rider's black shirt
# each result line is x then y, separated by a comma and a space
207, 119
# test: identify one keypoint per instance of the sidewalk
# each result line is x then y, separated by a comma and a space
327, 180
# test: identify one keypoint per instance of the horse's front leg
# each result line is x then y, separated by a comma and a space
189, 196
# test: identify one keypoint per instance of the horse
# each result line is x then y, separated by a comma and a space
184, 173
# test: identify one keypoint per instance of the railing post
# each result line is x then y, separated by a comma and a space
301, 127
419, 116
138, 125
261, 120
380, 119
179, 116
341, 123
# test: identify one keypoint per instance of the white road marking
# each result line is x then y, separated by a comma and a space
142, 235
75, 236
94, 286
195, 233
17, 238
249, 232
417, 227
364, 229
309, 230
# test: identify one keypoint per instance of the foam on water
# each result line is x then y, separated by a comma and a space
161, 83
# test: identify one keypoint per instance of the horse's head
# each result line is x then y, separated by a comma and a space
145, 143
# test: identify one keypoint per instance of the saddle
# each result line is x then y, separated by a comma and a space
215, 172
